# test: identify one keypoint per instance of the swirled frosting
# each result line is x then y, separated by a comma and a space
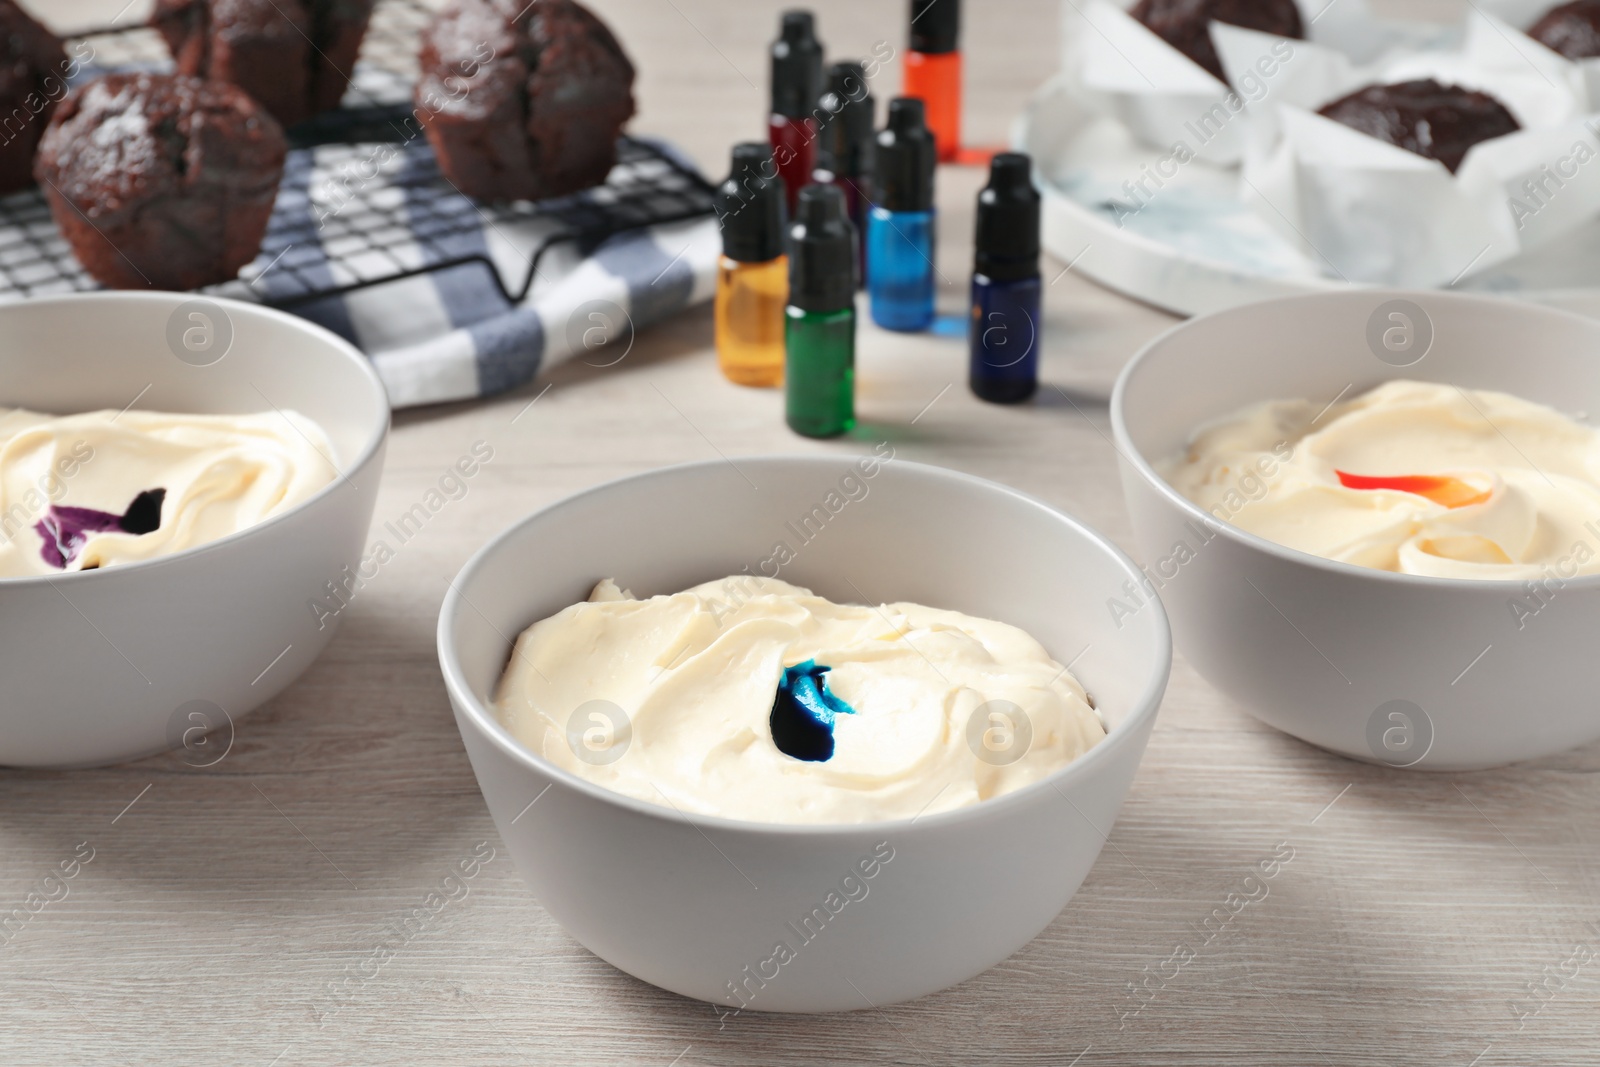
1413, 477
671, 700
105, 488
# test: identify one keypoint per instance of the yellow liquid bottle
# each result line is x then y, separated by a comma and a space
753, 273
749, 320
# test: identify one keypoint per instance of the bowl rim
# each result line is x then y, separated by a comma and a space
1124, 733
375, 435
1131, 454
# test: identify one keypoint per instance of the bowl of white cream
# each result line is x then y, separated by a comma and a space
1375, 518
801, 733
180, 480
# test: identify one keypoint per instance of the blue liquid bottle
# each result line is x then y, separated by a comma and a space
1004, 331
901, 224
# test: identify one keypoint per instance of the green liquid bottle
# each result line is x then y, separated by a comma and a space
820, 321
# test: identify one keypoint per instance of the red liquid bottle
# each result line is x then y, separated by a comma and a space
796, 85
845, 135
933, 70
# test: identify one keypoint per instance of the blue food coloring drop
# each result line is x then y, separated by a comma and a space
66, 529
804, 711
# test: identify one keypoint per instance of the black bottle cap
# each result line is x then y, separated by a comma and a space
847, 113
905, 159
1007, 238
796, 66
822, 252
750, 206
935, 26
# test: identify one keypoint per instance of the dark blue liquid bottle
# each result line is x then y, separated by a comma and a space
901, 235
1004, 330
1005, 339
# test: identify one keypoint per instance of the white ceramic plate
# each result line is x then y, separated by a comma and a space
1194, 247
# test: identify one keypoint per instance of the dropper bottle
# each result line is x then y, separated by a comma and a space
900, 226
1004, 336
844, 156
753, 273
820, 321
796, 85
933, 69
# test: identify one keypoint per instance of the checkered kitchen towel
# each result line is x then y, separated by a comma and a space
349, 212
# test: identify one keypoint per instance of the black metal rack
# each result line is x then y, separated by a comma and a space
413, 222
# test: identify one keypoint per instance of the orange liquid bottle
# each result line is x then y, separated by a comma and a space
933, 70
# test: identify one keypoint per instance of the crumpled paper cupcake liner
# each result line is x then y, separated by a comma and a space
1367, 211
1119, 67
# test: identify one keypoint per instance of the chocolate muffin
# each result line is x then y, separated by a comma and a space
1571, 29
1185, 24
522, 101
294, 56
33, 70
161, 181
1437, 121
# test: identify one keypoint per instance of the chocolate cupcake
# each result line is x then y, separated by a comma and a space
523, 101
1185, 24
294, 56
33, 73
1437, 121
161, 181
1571, 29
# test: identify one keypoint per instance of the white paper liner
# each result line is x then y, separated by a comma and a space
1164, 98
1523, 14
1368, 211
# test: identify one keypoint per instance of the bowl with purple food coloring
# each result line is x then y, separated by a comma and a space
100, 664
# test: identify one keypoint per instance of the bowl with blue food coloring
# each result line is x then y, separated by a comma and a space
801, 917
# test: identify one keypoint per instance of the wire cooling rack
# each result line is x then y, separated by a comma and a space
413, 222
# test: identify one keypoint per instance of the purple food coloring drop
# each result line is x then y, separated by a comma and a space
66, 529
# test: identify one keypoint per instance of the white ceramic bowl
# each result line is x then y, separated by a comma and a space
108, 665
1399, 669
689, 905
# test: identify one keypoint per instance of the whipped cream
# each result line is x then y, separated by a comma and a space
670, 700
1412, 477
105, 487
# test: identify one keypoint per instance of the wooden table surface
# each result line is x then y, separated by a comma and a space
1423, 918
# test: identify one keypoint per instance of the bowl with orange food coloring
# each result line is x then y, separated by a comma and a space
1374, 519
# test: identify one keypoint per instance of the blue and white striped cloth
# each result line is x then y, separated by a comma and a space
451, 334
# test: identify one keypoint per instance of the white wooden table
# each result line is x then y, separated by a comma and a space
1423, 919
